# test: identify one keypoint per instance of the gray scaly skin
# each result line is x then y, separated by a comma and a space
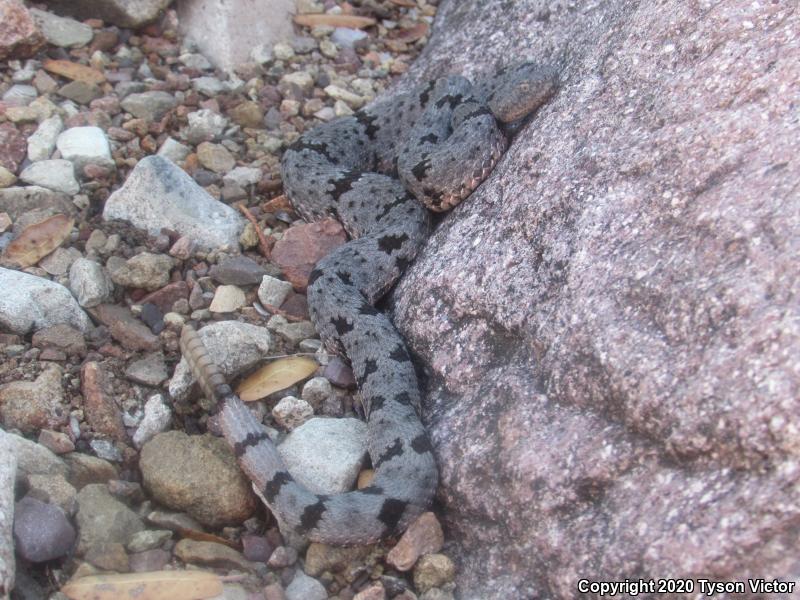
373, 171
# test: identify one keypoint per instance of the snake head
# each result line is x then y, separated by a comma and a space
521, 90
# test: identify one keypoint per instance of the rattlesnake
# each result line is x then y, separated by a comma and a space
435, 144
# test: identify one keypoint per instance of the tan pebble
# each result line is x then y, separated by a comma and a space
433, 570
373, 592
423, 536
227, 298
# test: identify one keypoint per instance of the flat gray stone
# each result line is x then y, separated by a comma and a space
124, 13
17, 201
90, 282
62, 31
102, 518
326, 455
42, 142
149, 105
83, 145
29, 303
174, 150
159, 194
57, 175
304, 587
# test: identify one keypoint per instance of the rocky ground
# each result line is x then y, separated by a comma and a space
139, 191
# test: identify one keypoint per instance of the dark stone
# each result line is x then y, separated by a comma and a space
238, 270
153, 317
42, 531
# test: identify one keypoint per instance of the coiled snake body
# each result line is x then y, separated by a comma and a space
374, 171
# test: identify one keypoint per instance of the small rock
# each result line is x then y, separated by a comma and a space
293, 333
90, 282
7, 178
150, 370
282, 556
215, 157
102, 518
336, 559
345, 37
302, 246
237, 270
19, 35
273, 291
433, 571
106, 450
151, 105
42, 142
84, 145
60, 336
304, 587
326, 455
204, 125
109, 556
208, 86
227, 298
148, 539
125, 328
85, 469
256, 548
339, 93
122, 13
339, 373
53, 489
274, 591
316, 391
42, 531
282, 51
19, 94
211, 554
301, 79
375, 591
292, 412
13, 146
100, 407
174, 150
423, 536
57, 442
58, 175
62, 31
159, 194
242, 176
197, 474
33, 405
157, 418
247, 114
166, 297
80, 92
150, 560
35, 459
145, 270
59, 261
17, 201
195, 61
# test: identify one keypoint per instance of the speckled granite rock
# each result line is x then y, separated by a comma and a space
611, 321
